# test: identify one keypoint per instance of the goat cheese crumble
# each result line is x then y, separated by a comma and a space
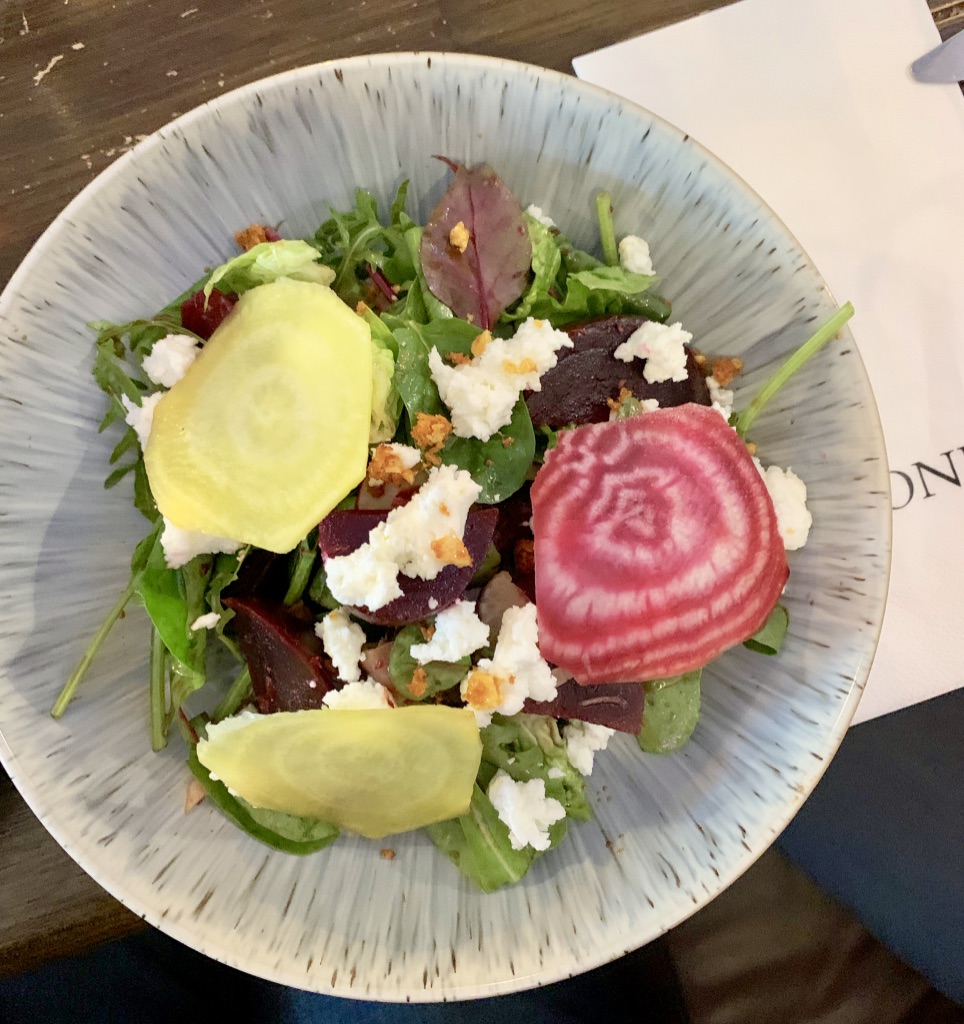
536, 213
402, 543
141, 417
180, 546
515, 671
662, 348
721, 398
525, 810
582, 740
208, 621
789, 496
634, 255
169, 358
459, 632
481, 394
358, 696
343, 641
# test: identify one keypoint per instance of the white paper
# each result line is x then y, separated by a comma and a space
812, 103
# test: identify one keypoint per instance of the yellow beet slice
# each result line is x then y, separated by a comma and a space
268, 429
373, 772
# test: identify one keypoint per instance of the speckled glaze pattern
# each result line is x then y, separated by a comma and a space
668, 833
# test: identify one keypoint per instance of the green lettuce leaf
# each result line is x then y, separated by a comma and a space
267, 262
439, 675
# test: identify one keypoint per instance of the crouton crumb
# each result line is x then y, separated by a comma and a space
451, 550
386, 467
387, 853
508, 442
252, 235
615, 403
430, 433
419, 683
725, 369
458, 358
459, 237
482, 690
524, 554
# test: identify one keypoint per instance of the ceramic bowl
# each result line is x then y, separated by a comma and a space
669, 833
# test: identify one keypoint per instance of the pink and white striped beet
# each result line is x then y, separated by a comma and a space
656, 546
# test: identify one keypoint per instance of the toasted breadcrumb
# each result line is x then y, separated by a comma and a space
725, 369
444, 509
194, 795
386, 467
430, 433
458, 358
699, 359
482, 690
252, 235
451, 550
508, 442
481, 342
751, 447
387, 853
615, 403
419, 683
459, 237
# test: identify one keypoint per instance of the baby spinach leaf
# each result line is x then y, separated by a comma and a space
670, 713
484, 271
546, 262
768, 639
439, 675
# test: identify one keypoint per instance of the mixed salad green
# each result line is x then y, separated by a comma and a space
479, 271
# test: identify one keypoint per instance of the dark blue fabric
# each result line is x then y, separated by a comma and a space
883, 833
151, 979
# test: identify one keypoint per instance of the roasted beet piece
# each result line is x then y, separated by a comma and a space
576, 389
342, 531
289, 668
614, 705
203, 318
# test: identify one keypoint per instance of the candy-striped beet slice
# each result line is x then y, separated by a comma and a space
656, 546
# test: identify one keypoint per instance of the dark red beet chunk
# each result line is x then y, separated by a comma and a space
270, 235
203, 320
575, 390
614, 705
342, 531
289, 668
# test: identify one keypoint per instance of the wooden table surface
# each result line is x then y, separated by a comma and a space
80, 82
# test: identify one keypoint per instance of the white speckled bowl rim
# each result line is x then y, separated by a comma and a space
474, 964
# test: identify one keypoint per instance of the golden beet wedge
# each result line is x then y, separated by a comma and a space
374, 772
268, 429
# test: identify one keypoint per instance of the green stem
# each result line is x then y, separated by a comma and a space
235, 697
744, 420
67, 693
607, 231
158, 695
301, 574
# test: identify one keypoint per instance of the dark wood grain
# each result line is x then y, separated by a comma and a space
126, 68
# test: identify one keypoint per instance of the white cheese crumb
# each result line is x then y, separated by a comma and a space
525, 810
402, 543
141, 417
481, 394
662, 348
208, 621
721, 398
432, 604
180, 546
634, 255
535, 212
789, 496
343, 641
459, 632
554, 772
517, 664
582, 740
169, 358
358, 696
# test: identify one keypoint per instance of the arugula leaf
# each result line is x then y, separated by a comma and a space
286, 832
478, 844
439, 675
768, 639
